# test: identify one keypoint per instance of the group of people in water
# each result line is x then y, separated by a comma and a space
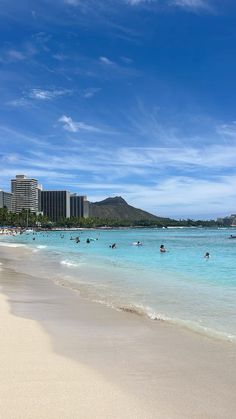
163, 249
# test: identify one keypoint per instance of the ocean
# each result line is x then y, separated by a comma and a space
179, 286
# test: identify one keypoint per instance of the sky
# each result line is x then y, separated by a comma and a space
131, 98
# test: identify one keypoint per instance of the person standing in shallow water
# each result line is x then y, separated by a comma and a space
162, 248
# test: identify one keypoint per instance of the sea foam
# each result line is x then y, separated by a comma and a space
68, 263
12, 244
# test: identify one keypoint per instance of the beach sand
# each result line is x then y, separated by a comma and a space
64, 357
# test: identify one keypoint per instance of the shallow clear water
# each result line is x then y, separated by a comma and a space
180, 285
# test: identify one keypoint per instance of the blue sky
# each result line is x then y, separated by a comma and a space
122, 97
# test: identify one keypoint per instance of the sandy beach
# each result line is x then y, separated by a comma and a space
65, 357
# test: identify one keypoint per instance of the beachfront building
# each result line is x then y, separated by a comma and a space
55, 204
6, 200
25, 194
79, 206
63, 204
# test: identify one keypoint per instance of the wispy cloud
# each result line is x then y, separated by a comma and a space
126, 60
15, 55
28, 98
213, 157
59, 57
180, 196
41, 94
73, 2
105, 60
140, 174
90, 92
12, 55
88, 5
191, 4
19, 103
73, 126
227, 130
137, 2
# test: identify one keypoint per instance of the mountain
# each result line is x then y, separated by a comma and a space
118, 209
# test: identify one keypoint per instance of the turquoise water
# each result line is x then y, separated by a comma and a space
179, 286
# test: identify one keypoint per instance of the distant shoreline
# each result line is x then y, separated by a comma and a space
23, 229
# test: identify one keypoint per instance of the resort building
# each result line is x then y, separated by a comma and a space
6, 200
25, 194
79, 206
62, 204
28, 194
55, 204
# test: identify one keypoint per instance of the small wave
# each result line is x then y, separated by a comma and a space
142, 310
12, 244
193, 326
186, 324
69, 264
132, 310
41, 246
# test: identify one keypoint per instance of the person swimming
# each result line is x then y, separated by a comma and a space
207, 255
162, 248
113, 246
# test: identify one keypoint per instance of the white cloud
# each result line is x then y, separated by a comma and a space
102, 6
108, 172
19, 103
90, 92
73, 126
227, 130
215, 156
73, 2
134, 2
47, 94
59, 57
15, 55
126, 60
137, 2
191, 4
105, 60
182, 196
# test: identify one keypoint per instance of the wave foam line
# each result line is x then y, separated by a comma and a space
12, 244
144, 311
69, 264
187, 324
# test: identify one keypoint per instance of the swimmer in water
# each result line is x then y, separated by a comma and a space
207, 255
162, 248
113, 246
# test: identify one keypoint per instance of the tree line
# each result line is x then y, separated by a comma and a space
28, 219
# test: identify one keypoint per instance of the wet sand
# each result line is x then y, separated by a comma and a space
64, 357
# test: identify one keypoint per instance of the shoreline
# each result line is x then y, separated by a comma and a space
151, 369
58, 269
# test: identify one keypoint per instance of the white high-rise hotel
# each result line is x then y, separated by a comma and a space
25, 194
